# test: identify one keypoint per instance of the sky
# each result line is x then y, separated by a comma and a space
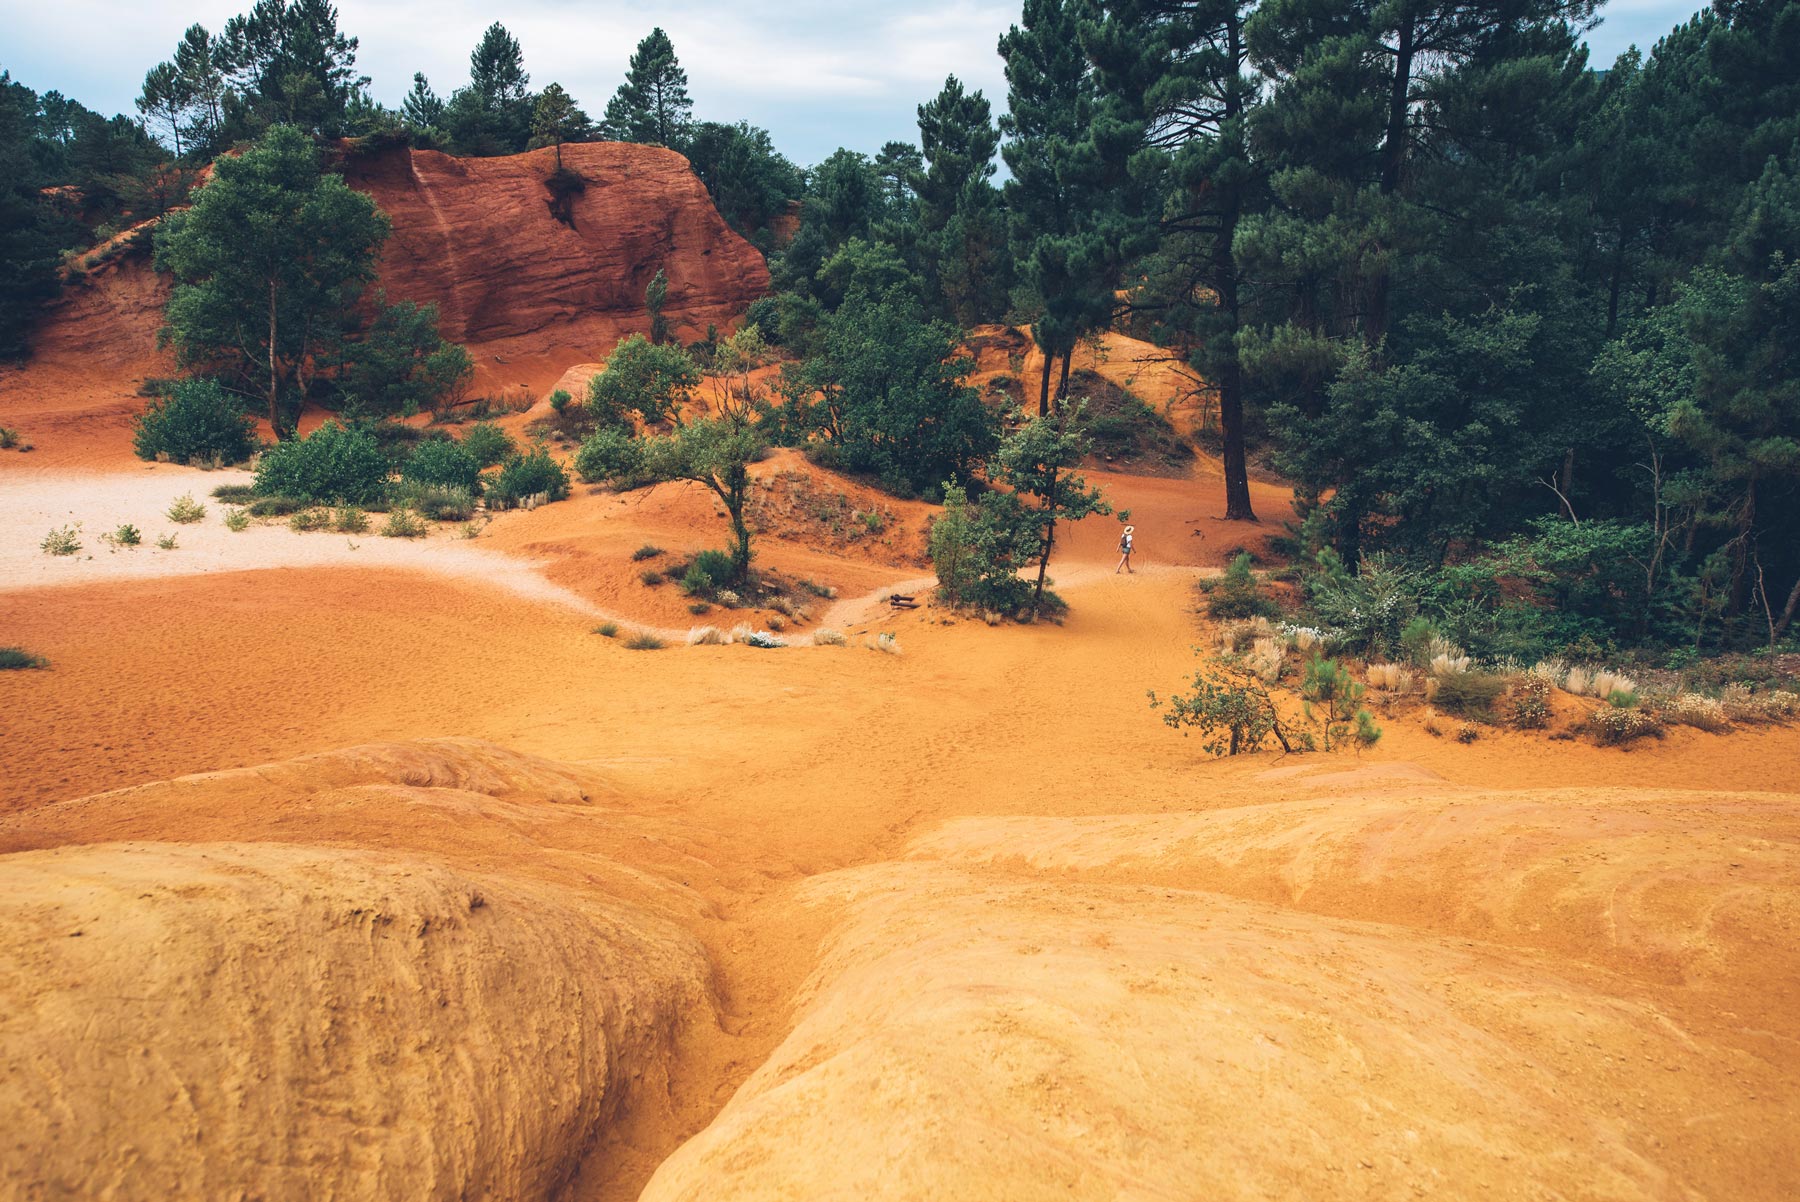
817, 74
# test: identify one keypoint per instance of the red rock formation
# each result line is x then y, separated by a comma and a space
529, 295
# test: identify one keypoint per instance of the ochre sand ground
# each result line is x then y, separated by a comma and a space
965, 921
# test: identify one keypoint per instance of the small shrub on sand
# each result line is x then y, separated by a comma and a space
728, 598
234, 494
818, 590
644, 641
402, 523
186, 510
436, 502
1467, 732
1743, 705
64, 540
125, 536
277, 507
741, 633
1530, 702
1606, 682
647, 551
9, 438
1235, 637
167, 542
886, 643
777, 622
608, 630
528, 475
1469, 694
237, 520
827, 637
1616, 727
651, 577
1237, 594
309, 520
707, 636
699, 607
18, 657
349, 520
763, 638
788, 609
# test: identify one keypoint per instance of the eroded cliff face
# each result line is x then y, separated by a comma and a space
519, 286
528, 293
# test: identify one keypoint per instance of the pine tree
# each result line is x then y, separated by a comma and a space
961, 227
652, 104
557, 119
422, 109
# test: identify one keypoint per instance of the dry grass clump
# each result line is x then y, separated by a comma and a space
782, 605
1468, 694
1235, 637
1451, 662
1742, 705
825, 636
1389, 678
1606, 682
18, 658
644, 641
1615, 726
707, 636
886, 643
1691, 709
1265, 658
64, 540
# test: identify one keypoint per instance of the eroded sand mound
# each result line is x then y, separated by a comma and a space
403, 970
1035, 1009
230, 1020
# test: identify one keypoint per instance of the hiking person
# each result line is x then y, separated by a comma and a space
1125, 551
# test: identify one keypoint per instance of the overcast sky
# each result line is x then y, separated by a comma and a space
816, 73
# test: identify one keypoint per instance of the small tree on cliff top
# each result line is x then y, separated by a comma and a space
557, 119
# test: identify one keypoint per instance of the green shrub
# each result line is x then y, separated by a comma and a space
607, 629
1469, 694
644, 641
1417, 639
610, 456
167, 542
528, 475
647, 551
350, 520
186, 510
488, 443
64, 540
651, 577
695, 581
234, 494
445, 463
559, 400
1623, 699
1237, 595
18, 657
127, 535
716, 566
9, 438
196, 420
237, 520
402, 524
308, 520
335, 464
277, 507
1614, 726
699, 607
435, 502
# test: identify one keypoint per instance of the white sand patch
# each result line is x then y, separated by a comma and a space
31, 507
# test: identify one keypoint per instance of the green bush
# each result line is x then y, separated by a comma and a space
237, 520
528, 475
127, 535
18, 657
186, 510
335, 464
489, 444
446, 463
277, 507
64, 540
1469, 694
647, 551
309, 520
610, 456
1236, 595
234, 494
350, 520
166, 542
196, 420
402, 524
717, 567
651, 577
695, 581
435, 502
644, 642
607, 630
559, 400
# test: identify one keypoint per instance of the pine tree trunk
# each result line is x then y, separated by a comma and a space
274, 390
1393, 161
1787, 614
1037, 594
1044, 391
